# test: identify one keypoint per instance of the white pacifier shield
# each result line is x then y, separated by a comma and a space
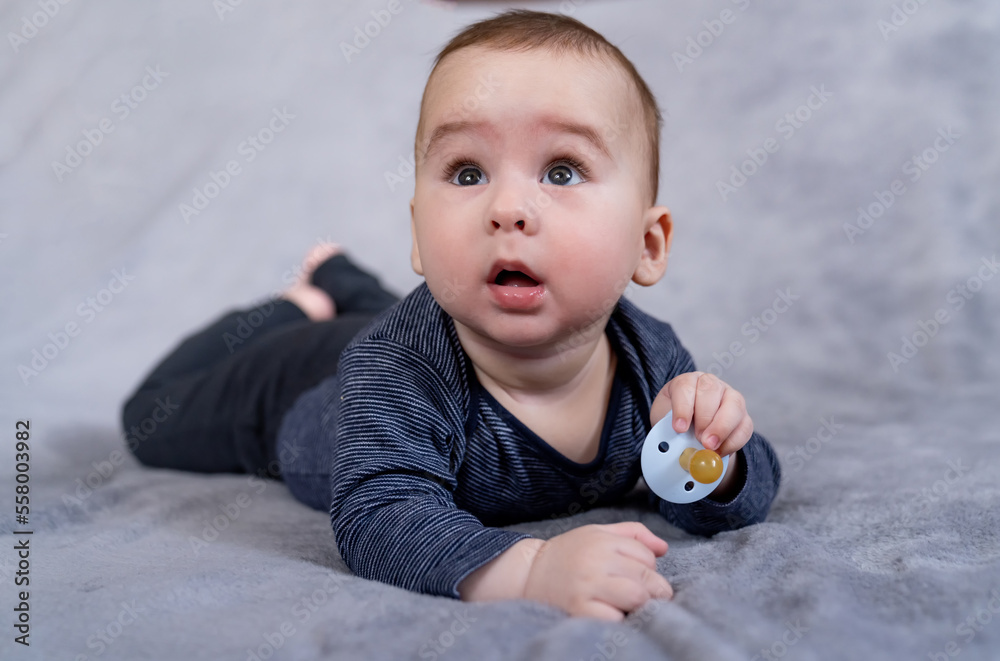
662, 470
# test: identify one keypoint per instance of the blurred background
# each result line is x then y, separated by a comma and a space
878, 197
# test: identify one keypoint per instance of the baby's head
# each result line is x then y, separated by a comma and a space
537, 151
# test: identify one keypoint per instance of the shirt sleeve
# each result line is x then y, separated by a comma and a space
394, 475
759, 481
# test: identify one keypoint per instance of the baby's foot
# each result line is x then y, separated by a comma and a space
352, 289
317, 255
309, 298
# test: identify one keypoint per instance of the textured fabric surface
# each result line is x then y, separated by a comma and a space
881, 544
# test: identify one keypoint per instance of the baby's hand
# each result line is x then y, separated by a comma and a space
601, 571
721, 422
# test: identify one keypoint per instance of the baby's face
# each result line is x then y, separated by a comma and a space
529, 162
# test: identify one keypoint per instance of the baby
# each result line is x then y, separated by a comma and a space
516, 383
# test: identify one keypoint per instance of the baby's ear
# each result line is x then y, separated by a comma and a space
656, 246
415, 252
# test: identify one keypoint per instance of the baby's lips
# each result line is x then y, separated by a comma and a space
512, 265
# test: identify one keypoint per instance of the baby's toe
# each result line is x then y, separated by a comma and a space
317, 255
313, 301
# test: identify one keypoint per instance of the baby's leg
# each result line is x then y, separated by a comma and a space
233, 332
306, 444
330, 282
224, 418
182, 415
316, 303
239, 329
215, 403
351, 288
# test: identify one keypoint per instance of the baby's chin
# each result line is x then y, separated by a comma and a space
535, 335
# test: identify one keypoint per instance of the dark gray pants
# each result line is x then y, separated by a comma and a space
216, 403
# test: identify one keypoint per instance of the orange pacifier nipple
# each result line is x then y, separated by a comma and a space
704, 466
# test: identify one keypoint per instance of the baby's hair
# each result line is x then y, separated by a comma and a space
522, 29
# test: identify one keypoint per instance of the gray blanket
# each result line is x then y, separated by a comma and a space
875, 213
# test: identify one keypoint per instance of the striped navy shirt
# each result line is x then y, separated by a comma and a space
428, 464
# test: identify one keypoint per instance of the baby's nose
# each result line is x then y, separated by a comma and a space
519, 224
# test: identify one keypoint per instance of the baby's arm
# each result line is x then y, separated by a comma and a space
504, 577
748, 489
602, 571
756, 480
395, 473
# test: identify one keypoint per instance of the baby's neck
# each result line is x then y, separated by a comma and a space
554, 374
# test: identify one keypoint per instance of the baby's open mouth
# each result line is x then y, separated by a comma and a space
515, 279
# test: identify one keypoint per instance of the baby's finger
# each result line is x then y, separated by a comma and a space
738, 438
638, 552
639, 532
727, 418
658, 586
599, 610
641, 580
631, 593
681, 393
661, 406
708, 399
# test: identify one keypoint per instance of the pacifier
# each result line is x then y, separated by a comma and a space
677, 467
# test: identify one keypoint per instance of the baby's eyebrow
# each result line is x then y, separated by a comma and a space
552, 124
450, 128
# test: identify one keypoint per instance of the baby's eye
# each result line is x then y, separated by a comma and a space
562, 175
469, 176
